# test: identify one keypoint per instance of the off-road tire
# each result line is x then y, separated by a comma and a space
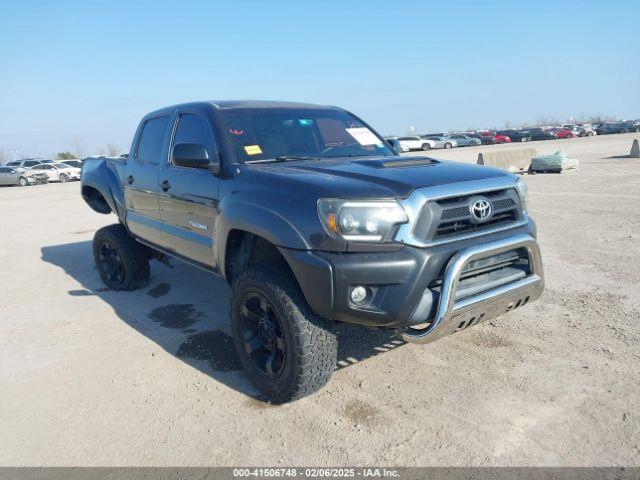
133, 255
310, 345
23, 182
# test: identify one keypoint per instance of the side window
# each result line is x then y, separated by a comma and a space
193, 128
152, 140
13, 164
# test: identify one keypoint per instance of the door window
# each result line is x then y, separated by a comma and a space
152, 140
193, 128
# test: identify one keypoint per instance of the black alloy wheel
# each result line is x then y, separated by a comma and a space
110, 264
262, 336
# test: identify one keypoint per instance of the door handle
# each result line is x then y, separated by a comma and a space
165, 185
130, 179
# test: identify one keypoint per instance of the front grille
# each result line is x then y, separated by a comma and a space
449, 217
488, 273
464, 226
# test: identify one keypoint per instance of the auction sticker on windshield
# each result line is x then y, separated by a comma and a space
364, 136
253, 149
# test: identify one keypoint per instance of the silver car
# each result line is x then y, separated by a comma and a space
464, 140
441, 142
21, 176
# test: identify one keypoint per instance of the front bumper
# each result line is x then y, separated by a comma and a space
453, 315
401, 284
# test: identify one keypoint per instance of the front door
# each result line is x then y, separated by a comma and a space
189, 196
141, 179
6, 177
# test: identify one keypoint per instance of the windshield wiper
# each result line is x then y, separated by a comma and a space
288, 158
282, 158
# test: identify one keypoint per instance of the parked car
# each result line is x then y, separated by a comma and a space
395, 143
26, 163
312, 219
59, 172
464, 140
515, 135
21, 176
559, 132
495, 137
484, 139
579, 130
540, 134
611, 128
632, 125
440, 141
415, 142
72, 163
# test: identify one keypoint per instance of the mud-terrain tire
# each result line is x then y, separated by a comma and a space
270, 319
122, 262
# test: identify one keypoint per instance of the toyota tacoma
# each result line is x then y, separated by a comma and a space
313, 219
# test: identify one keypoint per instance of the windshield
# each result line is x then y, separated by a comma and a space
279, 133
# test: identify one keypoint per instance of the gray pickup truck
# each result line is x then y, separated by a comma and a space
312, 218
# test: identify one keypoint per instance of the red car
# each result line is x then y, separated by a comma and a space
561, 132
497, 138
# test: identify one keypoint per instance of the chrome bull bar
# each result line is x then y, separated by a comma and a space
484, 305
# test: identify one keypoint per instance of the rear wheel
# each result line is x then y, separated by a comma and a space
524, 139
286, 350
63, 178
448, 145
23, 182
122, 262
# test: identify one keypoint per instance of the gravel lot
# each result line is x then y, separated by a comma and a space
94, 377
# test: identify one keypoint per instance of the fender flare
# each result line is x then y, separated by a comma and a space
258, 220
105, 179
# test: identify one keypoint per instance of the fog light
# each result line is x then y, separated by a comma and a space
358, 294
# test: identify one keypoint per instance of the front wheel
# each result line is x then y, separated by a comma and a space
22, 181
122, 262
286, 350
425, 147
448, 145
524, 139
63, 178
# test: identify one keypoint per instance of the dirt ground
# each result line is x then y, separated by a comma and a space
94, 377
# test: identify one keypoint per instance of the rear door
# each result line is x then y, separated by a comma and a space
189, 196
141, 179
5, 176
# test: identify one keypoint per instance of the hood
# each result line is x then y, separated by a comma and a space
378, 177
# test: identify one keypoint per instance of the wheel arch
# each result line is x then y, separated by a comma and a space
313, 275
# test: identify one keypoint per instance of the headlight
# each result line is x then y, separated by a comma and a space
521, 187
361, 221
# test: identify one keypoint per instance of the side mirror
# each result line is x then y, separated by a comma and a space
192, 155
395, 145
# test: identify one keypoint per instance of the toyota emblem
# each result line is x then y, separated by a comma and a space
480, 209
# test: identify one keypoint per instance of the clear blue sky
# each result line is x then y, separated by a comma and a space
89, 70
